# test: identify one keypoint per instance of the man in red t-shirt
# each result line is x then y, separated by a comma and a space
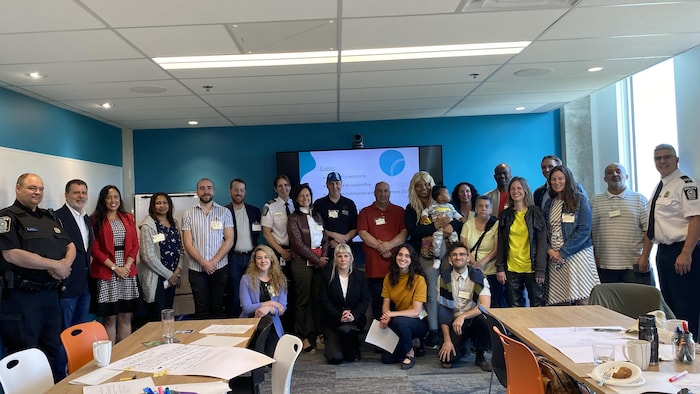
381, 227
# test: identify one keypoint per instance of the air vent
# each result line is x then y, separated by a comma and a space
506, 5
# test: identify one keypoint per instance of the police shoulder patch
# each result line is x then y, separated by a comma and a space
691, 192
5, 224
266, 209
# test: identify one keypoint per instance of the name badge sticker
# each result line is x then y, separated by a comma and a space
333, 213
160, 237
379, 221
613, 214
257, 227
463, 294
216, 225
568, 217
318, 227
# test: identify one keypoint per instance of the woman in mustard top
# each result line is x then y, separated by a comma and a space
405, 290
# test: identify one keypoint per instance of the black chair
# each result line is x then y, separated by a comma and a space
250, 383
630, 299
498, 360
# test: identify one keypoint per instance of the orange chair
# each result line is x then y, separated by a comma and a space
523, 371
78, 339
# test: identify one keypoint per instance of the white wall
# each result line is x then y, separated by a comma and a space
687, 66
55, 171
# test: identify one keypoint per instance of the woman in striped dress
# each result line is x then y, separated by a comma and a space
113, 255
572, 271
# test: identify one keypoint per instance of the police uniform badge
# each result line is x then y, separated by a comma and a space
56, 230
691, 192
5, 223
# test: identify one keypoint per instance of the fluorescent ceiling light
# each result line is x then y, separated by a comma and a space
348, 56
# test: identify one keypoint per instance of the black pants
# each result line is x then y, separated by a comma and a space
516, 283
681, 292
208, 293
33, 320
342, 343
237, 264
475, 329
164, 299
375, 291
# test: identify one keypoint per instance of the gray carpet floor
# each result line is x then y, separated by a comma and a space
312, 374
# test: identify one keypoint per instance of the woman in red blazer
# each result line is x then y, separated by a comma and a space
113, 255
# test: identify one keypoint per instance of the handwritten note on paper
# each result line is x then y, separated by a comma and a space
127, 386
227, 329
178, 359
96, 377
219, 340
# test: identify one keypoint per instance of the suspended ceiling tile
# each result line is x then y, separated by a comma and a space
23, 16
403, 92
372, 8
264, 84
287, 36
82, 72
182, 40
111, 91
276, 98
278, 110
425, 76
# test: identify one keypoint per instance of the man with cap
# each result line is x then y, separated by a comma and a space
36, 255
339, 213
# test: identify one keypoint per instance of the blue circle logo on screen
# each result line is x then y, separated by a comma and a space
392, 162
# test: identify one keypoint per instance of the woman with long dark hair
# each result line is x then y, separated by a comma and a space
114, 253
162, 255
404, 294
572, 270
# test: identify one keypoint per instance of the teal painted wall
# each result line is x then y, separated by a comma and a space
31, 125
173, 160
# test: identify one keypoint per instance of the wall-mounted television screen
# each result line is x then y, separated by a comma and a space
361, 169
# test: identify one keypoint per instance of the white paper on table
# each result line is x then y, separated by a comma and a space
96, 377
127, 386
690, 381
179, 359
227, 329
382, 337
219, 340
202, 388
576, 342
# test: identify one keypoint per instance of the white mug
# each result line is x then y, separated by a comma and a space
102, 351
637, 352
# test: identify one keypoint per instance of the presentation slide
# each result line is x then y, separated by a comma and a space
361, 169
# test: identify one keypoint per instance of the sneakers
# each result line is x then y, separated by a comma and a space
432, 339
483, 364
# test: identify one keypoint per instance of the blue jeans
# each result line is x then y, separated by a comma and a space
406, 328
498, 292
74, 310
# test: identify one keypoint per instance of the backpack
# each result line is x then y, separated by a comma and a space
555, 380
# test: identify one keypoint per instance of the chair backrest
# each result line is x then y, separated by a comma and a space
26, 372
78, 340
286, 353
521, 364
630, 299
259, 338
498, 361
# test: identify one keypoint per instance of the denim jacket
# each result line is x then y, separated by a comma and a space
536, 227
577, 235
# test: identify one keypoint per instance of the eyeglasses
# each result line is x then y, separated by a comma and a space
664, 157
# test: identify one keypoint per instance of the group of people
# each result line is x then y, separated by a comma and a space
428, 266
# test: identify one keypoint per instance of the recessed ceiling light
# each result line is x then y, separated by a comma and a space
36, 75
107, 105
520, 108
192, 123
594, 69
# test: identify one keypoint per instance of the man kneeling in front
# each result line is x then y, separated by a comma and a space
462, 289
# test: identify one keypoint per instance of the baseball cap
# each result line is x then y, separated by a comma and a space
334, 176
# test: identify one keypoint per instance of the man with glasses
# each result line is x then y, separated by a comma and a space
674, 224
461, 290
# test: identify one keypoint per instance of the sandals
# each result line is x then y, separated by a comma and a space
412, 362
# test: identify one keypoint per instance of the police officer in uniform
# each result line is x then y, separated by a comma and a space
36, 256
674, 224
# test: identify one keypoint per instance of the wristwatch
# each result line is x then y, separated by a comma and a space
113, 268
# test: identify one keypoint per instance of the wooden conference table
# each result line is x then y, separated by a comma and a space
152, 331
519, 321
